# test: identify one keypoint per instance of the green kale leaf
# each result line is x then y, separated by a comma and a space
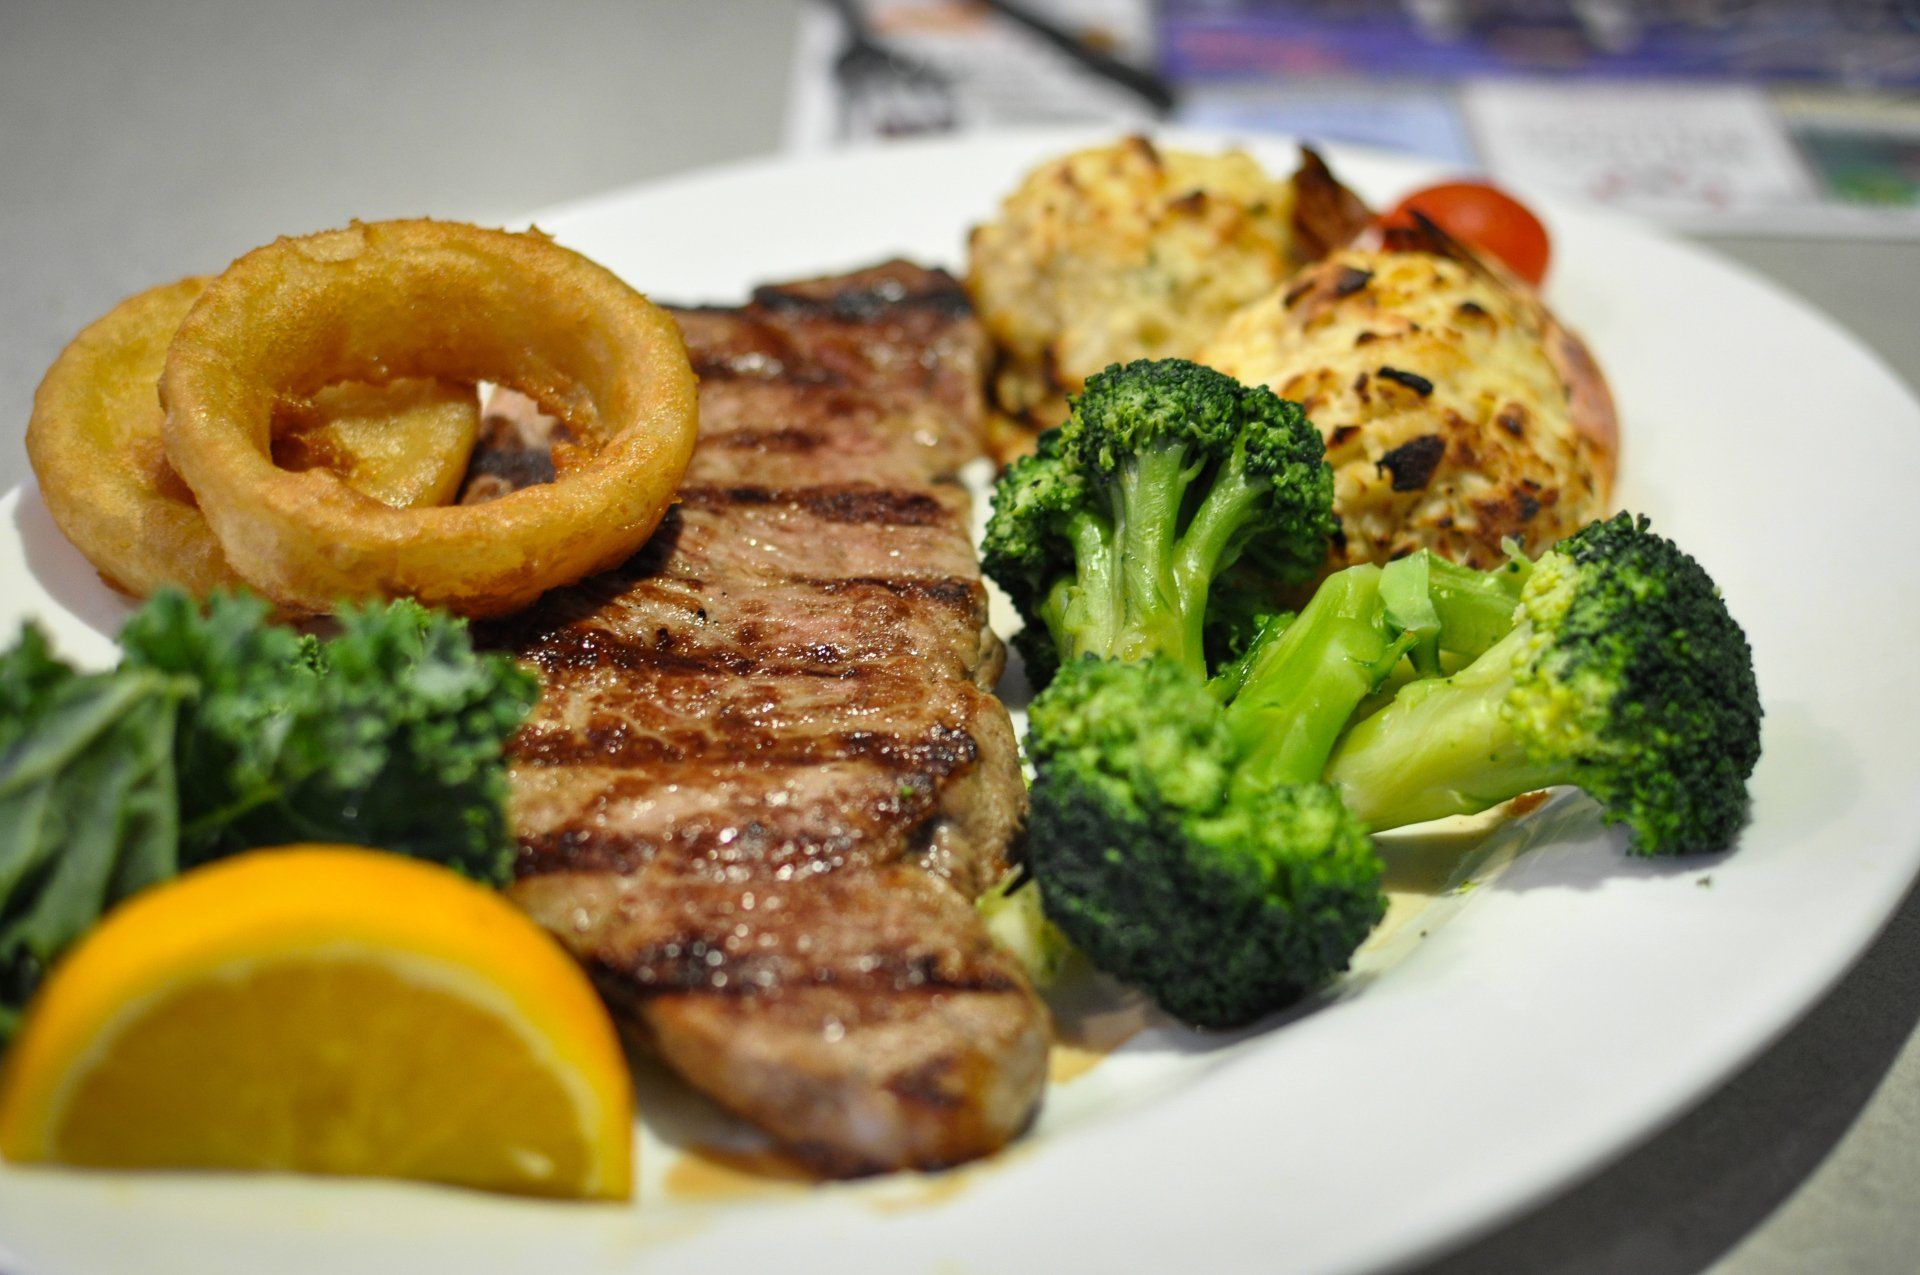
221, 731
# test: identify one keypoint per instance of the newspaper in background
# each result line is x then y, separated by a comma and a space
1687, 153
1754, 117
999, 74
1854, 44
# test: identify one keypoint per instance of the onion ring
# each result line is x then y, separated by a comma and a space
452, 302
94, 442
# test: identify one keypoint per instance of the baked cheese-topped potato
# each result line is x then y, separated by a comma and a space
1128, 251
1456, 410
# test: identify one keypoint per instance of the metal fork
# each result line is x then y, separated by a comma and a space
882, 89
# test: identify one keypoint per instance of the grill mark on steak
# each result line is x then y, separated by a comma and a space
947, 591
847, 504
576, 647
687, 964
720, 831
804, 625
886, 298
843, 453
763, 783
790, 442
612, 742
760, 365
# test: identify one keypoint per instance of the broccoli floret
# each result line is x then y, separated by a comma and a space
1179, 831
1207, 841
1220, 904
1623, 675
1164, 475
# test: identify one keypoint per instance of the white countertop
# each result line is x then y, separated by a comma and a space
141, 142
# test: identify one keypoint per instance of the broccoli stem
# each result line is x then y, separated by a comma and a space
1476, 608
1084, 613
1212, 542
1140, 583
1152, 487
1444, 746
1301, 682
1451, 608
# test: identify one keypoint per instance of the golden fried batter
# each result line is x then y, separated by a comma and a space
94, 441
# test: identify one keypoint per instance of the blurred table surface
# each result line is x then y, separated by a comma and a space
143, 141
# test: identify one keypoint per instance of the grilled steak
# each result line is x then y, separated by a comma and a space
767, 777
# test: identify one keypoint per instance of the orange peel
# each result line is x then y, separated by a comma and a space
324, 1009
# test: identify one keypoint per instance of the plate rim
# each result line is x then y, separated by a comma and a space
1814, 983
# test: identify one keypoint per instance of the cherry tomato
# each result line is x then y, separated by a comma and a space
1485, 217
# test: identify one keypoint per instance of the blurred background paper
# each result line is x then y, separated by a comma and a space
998, 74
1419, 119
1689, 152
1737, 116
1859, 43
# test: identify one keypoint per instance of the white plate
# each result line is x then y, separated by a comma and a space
1568, 1006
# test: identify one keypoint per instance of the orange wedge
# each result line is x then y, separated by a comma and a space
323, 1009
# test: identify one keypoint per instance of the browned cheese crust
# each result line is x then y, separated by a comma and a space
1130, 251
1457, 411
767, 776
